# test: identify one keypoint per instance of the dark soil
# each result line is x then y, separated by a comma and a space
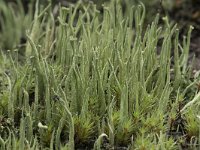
186, 13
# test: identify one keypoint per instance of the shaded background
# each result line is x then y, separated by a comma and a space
183, 12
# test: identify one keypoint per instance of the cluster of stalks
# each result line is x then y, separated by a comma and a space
95, 80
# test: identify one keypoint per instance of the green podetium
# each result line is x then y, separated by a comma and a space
91, 75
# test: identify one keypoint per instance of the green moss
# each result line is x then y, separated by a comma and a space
95, 79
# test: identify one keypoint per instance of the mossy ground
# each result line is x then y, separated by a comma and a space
89, 77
